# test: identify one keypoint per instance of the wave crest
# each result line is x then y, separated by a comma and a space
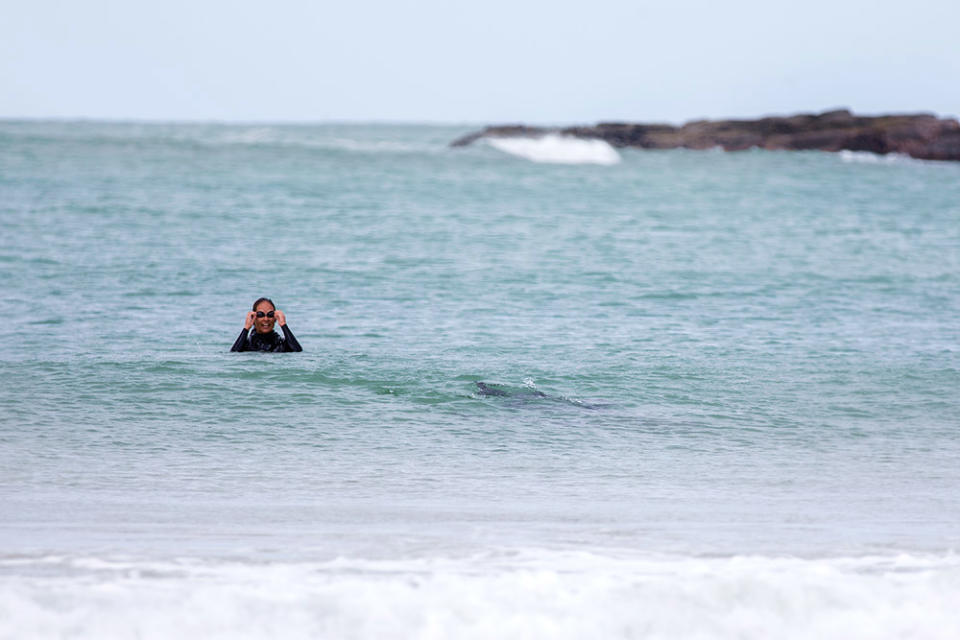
868, 157
558, 149
522, 594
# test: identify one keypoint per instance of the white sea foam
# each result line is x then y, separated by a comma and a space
866, 157
558, 149
531, 595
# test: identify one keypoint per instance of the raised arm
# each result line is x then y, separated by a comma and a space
289, 340
241, 342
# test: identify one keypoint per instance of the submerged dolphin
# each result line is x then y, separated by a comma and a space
528, 395
485, 389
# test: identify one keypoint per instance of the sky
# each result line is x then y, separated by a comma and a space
496, 61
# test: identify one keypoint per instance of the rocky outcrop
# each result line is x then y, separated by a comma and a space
920, 135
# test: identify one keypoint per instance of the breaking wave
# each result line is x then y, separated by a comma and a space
527, 595
867, 157
557, 149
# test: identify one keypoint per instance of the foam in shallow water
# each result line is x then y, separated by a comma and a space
534, 594
556, 149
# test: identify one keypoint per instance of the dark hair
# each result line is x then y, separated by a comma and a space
259, 300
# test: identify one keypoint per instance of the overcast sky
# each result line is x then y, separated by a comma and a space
473, 62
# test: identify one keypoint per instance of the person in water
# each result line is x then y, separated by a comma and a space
264, 315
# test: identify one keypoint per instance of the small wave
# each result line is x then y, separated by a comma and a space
256, 135
557, 149
524, 594
375, 146
265, 136
867, 157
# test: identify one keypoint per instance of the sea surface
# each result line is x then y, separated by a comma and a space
549, 389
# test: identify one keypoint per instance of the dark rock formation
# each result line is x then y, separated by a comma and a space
920, 135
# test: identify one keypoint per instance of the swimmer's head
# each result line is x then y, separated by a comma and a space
264, 321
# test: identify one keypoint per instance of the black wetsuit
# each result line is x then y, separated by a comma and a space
252, 341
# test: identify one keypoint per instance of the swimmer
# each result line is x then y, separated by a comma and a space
264, 315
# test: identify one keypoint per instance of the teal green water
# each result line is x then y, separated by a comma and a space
701, 352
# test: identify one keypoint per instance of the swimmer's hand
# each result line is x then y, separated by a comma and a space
251, 315
281, 319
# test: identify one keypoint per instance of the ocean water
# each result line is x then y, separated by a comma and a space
548, 389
